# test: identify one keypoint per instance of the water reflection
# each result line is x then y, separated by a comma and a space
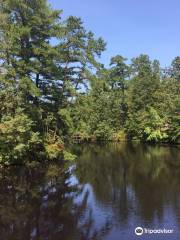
39, 203
134, 185
110, 190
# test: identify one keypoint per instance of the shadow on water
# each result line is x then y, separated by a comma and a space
105, 194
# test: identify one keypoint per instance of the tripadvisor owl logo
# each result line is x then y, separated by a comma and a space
139, 231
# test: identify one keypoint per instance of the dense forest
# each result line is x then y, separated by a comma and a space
53, 87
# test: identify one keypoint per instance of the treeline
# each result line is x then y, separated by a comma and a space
136, 101
53, 87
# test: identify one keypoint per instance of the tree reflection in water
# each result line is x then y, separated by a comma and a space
140, 183
108, 191
38, 203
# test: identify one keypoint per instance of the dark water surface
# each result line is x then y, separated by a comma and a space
105, 194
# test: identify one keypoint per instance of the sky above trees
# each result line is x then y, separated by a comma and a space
130, 27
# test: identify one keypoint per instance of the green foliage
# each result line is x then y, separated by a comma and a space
103, 132
174, 129
49, 92
120, 136
67, 120
53, 151
17, 137
69, 156
154, 135
144, 107
40, 77
154, 127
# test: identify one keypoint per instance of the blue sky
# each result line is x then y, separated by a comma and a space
130, 27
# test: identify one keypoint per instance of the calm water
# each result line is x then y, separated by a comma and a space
105, 194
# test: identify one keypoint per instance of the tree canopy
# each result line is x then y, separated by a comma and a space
53, 86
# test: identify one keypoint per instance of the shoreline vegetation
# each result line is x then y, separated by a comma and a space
54, 88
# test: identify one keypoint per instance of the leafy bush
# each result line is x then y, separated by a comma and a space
103, 132
120, 136
17, 137
68, 156
154, 135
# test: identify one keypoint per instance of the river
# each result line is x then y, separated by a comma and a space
108, 191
